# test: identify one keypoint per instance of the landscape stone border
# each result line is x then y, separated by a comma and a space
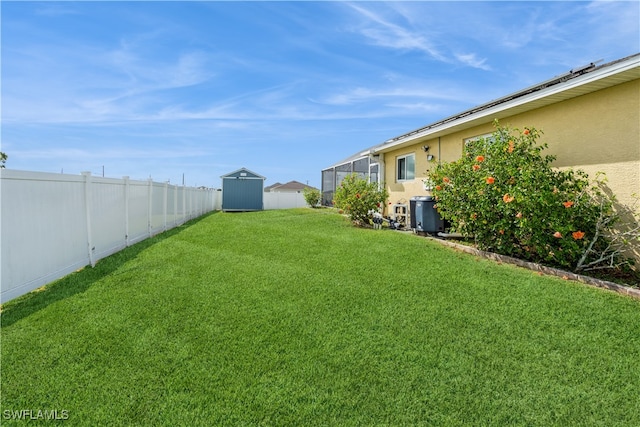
591, 281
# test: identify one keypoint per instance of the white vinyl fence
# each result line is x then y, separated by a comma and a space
283, 200
54, 224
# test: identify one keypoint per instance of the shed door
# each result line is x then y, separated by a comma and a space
240, 194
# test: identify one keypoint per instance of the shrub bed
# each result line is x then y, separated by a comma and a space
505, 195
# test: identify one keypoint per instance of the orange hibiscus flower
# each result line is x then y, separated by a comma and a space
480, 159
526, 132
568, 204
475, 167
446, 180
577, 235
491, 180
507, 198
557, 235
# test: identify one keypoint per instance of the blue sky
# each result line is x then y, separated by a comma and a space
285, 89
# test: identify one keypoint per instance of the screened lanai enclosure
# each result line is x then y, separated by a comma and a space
365, 166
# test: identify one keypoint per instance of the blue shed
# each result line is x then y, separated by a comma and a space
242, 190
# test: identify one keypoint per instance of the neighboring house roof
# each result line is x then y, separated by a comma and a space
242, 172
577, 82
289, 186
269, 187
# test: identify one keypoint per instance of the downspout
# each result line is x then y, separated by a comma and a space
381, 180
439, 160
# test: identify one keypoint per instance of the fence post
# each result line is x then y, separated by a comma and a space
87, 205
164, 208
150, 208
126, 210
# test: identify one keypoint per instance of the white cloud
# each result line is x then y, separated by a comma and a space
385, 33
614, 22
95, 92
103, 154
56, 9
416, 107
148, 70
473, 61
432, 91
411, 35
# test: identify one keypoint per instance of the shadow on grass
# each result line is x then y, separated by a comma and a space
81, 280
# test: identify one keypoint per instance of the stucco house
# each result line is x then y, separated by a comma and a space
590, 117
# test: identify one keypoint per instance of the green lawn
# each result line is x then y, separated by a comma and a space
296, 318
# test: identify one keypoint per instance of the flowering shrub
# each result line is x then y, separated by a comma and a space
312, 196
505, 194
358, 198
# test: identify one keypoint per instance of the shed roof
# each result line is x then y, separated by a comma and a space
239, 172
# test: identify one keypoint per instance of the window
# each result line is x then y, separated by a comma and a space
486, 136
406, 167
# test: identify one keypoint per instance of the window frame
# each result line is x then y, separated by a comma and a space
477, 137
404, 168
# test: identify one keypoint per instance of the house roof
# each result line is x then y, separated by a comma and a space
289, 186
269, 187
578, 81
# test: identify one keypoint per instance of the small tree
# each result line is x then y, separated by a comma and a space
3, 159
359, 198
505, 194
312, 196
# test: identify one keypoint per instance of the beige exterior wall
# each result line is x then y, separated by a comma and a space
597, 132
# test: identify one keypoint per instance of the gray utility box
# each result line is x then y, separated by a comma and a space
424, 217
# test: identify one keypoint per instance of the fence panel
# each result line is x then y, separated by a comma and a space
171, 206
138, 211
108, 216
54, 224
43, 229
283, 200
218, 200
157, 203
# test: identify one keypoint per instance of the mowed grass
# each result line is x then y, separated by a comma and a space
296, 318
